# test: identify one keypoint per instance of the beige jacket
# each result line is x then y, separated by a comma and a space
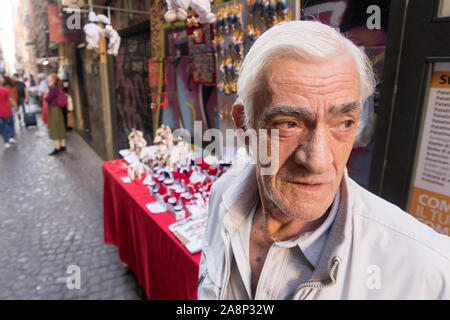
374, 249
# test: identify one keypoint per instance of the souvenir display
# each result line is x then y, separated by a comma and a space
229, 45
201, 51
173, 178
263, 14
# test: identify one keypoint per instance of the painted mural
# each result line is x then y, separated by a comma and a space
132, 91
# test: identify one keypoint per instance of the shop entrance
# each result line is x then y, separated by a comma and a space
412, 159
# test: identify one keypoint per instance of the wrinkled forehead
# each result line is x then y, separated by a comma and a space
310, 83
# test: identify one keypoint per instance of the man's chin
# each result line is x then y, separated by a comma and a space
298, 208
303, 214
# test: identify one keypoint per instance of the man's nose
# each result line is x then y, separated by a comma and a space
315, 153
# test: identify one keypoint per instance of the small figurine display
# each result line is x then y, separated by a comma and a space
136, 141
179, 183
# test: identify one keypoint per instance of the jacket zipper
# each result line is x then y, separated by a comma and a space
319, 284
200, 280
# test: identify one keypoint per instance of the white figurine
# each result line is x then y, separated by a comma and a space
114, 40
92, 31
177, 9
136, 141
136, 171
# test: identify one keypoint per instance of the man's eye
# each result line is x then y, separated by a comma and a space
347, 124
287, 125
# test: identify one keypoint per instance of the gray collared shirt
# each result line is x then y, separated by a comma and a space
288, 263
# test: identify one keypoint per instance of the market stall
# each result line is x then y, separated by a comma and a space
164, 267
155, 211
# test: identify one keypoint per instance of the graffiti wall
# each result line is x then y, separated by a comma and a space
132, 90
188, 101
93, 103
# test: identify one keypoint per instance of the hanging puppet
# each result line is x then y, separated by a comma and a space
111, 34
114, 40
92, 31
177, 9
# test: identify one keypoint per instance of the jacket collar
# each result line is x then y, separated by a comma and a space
240, 197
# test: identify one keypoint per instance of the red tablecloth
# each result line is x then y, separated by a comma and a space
164, 268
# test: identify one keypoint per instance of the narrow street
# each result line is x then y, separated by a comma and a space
51, 218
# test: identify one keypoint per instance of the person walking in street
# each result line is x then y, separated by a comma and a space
22, 92
6, 123
9, 84
56, 126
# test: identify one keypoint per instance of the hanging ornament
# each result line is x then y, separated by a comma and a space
92, 31
177, 9
111, 34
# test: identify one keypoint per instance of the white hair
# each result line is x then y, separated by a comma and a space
308, 40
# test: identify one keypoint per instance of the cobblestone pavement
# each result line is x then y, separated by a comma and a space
50, 218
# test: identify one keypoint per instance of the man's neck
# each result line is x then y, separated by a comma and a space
279, 227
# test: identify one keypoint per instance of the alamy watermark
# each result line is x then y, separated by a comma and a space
73, 21
73, 281
374, 21
373, 281
263, 144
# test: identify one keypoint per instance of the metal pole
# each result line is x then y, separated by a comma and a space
111, 8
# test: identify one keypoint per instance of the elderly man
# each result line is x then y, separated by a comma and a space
307, 231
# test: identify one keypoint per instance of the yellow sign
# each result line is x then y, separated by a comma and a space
430, 194
431, 208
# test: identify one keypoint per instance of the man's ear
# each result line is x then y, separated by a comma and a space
239, 116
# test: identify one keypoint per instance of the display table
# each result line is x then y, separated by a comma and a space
164, 268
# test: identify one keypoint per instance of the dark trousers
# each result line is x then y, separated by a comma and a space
6, 128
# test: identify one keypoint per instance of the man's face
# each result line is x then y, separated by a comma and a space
315, 108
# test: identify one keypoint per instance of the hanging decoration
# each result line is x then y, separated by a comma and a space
93, 32
178, 9
201, 50
157, 83
229, 45
110, 33
263, 14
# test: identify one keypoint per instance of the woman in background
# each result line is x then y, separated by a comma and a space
6, 114
64, 109
9, 84
56, 126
